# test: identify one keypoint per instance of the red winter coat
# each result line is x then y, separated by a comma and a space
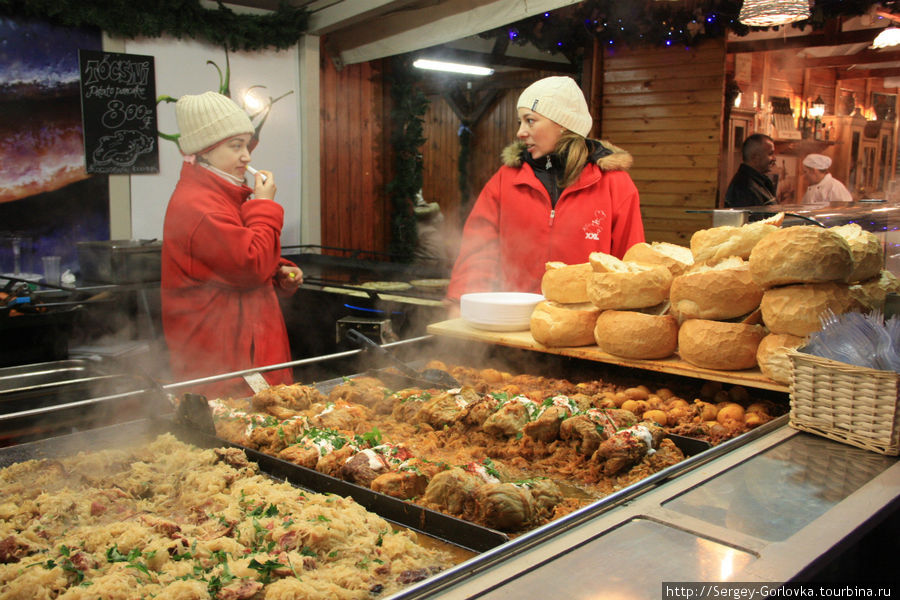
220, 252
513, 230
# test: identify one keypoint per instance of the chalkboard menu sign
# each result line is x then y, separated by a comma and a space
118, 112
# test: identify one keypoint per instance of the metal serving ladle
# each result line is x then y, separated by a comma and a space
435, 377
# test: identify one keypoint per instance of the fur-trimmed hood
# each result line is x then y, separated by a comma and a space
607, 156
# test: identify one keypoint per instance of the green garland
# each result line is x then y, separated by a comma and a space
178, 18
407, 136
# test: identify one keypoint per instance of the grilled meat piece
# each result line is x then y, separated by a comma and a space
233, 456
364, 466
628, 447
452, 489
333, 462
367, 391
447, 407
347, 417
401, 484
408, 404
240, 589
504, 506
285, 401
592, 427
546, 494
476, 413
12, 550
509, 419
267, 439
302, 453
546, 427
584, 432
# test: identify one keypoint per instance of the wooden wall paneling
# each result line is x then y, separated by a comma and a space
355, 207
665, 106
329, 159
440, 154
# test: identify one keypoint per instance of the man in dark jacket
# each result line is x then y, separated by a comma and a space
750, 186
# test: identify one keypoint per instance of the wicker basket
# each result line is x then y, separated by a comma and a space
845, 403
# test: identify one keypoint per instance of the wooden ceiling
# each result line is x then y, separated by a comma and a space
361, 30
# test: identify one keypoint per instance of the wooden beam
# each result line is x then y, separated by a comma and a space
804, 41
419, 27
501, 43
350, 12
860, 58
867, 73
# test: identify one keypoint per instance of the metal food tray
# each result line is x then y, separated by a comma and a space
120, 261
448, 529
495, 547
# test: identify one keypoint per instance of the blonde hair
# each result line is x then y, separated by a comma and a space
574, 148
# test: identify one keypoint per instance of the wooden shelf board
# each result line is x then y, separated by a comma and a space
459, 329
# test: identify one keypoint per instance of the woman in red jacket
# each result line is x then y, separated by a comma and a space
558, 197
221, 263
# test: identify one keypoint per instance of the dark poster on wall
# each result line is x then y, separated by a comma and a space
118, 112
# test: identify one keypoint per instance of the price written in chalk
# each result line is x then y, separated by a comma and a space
118, 111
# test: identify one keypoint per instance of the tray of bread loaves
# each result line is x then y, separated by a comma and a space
728, 308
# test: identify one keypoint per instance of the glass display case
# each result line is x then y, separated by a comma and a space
880, 217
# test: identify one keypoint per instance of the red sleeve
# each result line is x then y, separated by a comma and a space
243, 253
478, 263
628, 227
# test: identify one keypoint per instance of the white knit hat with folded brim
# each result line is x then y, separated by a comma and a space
207, 119
560, 100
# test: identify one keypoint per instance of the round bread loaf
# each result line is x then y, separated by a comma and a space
566, 283
719, 345
629, 289
873, 292
718, 243
866, 250
772, 355
672, 256
724, 291
631, 334
800, 254
554, 324
795, 309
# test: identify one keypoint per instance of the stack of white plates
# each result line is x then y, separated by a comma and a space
498, 311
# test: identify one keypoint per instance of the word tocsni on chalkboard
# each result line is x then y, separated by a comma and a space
118, 112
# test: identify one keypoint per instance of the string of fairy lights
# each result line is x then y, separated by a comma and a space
671, 24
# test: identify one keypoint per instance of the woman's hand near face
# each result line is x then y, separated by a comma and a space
264, 189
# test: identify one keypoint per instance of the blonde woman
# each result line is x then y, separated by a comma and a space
558, 197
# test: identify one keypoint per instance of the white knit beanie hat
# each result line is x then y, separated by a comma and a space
207, 119
560, 100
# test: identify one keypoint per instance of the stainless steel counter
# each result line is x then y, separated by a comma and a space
763, 512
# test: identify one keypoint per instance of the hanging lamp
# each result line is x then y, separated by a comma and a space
769, 13
817, 108
889, 36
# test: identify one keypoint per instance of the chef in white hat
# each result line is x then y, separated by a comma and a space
823, 189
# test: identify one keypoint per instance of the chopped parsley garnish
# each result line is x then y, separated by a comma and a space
369, 439
265, 569
263, 511
490, 468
